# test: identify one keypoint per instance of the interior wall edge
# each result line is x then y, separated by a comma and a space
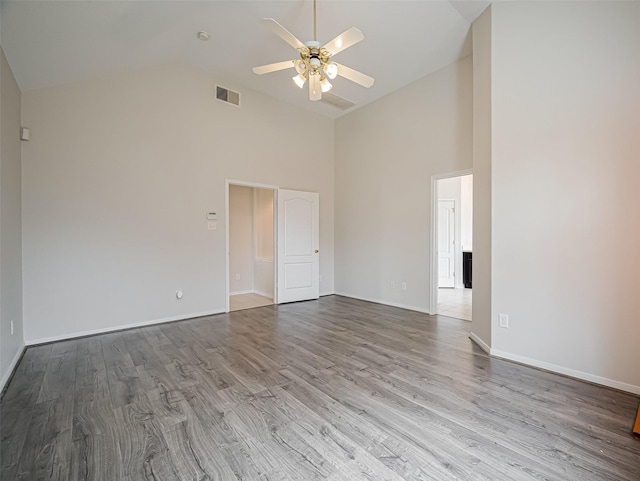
408, 307
263, 293
573, 373
239, 293
122, 327
4, 382
480, 343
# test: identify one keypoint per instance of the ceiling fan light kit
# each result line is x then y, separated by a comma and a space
315, 63
300, 80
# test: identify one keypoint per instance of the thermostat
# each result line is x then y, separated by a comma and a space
212, 216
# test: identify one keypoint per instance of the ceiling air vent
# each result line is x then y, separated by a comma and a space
335, 101
227, 95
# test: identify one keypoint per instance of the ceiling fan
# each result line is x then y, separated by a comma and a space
315, 64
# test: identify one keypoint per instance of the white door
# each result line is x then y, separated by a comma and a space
446, 243
298, 243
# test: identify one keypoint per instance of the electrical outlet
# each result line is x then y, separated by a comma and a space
237, 277
503, 320
403, 286
393, 284
12, 327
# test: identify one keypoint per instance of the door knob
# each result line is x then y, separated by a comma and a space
316, 251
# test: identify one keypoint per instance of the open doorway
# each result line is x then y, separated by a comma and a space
452, 246
251, 267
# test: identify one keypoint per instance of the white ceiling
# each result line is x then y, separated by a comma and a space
53, 42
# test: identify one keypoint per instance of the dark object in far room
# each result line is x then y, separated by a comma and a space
467, 264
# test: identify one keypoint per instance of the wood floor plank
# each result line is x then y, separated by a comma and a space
211, 414
122, 377
15, 418
243, 463
29, 375
194, 454
46, 451
334, 389
91, 372
60, 372
95, 453
143, 447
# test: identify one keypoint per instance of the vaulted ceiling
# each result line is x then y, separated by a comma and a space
53, 42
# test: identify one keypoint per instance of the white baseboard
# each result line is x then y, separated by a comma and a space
92, 332
630, 388
386, 303
584, 376
264, 294
270, 295
12, 366
481, 344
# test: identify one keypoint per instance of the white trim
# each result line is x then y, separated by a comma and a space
580, 375
256, 185
481, 344
123, 327
12, 366
264, 261
275, 245
457, 263
263, 294
433, 251
254, 291
238, 293
242, 183
327, 293
583, 376
226, 245
386, 303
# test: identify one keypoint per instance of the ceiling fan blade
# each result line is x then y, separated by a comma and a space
273, 67
315, 93
282, 32
355, 76
345, 40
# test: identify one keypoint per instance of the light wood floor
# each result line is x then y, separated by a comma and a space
334, 389
239, 302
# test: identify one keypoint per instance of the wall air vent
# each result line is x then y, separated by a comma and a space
227, 95
335, 101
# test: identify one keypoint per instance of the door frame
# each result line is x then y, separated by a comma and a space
433, 248
242, 183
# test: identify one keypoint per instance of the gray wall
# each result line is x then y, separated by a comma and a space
482, 131
10, 222
565, 196
386, 153
118, 178
241, 252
